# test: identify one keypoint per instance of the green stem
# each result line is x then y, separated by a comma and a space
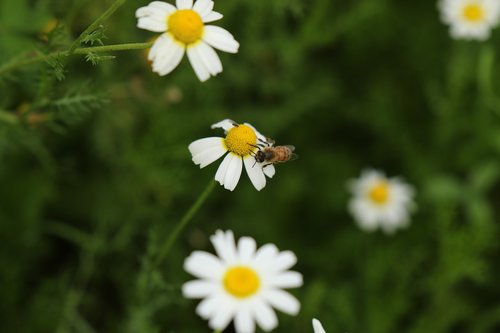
82, 50
95, 24
115, 47
484, 70
184, 221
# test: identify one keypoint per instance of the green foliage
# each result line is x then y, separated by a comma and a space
96, 36
95, 169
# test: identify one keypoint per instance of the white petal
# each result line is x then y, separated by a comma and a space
220, 39
184, 4
199, 288
167, 56
246, 249
222, 170
225, 124
209, 58
233, 172
288, 279
318, 328
154, 16
243, 321
223, 314
225, 246
203, 7
204, 265
207, 150
265, 256
197, 63
231, 252
202, 145
265, 316
282, 301
169, 64
163, 48
153, 51
164, 6
269, 170
209, 156
255, 173
284, 260
150, 24
208, 306
211, 17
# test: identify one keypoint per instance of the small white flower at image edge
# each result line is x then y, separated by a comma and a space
184, 30
239, 146
242, 283
318, 328
381, 202
470, 19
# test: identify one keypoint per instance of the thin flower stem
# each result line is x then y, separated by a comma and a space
115, 47
82, 50
184, 221
217, 331
95, 24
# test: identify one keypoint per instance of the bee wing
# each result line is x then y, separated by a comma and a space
292, 148
270, 141
293, 157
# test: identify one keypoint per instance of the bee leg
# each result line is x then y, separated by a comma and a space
255, 146
264, 143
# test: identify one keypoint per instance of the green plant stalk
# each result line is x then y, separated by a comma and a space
484, 71
48, 80
183, 222
82, 50
95, 24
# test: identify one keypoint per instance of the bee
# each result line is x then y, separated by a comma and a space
279, 154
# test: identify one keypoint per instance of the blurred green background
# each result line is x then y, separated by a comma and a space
94, 179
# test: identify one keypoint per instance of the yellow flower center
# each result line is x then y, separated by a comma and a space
473, 13
241, 140
241, 281
379, 194
186, 26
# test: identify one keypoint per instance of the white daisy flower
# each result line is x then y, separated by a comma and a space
184, 30
470, 19
243, 283
240, 143
318, 328
380, 202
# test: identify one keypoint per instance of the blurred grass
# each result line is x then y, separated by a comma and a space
88, 198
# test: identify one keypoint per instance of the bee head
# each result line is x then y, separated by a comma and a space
260, 156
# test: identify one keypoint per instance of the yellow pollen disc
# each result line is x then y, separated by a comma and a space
241, 281
186, 26
473, 13
379, 194
241, 140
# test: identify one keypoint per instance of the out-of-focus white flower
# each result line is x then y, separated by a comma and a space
379, 201
243, 283
470, 19
184, 31
240, 143
318, 328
